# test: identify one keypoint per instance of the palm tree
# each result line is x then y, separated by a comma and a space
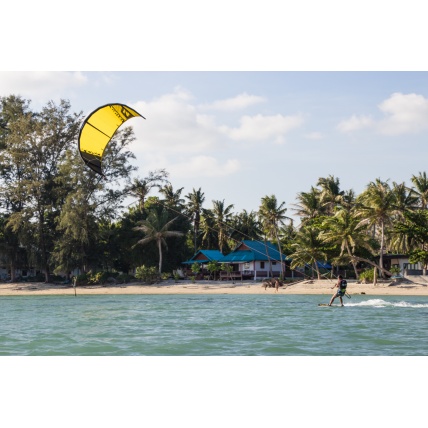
347, 231
405, 199
308, 205
172, 197
376, 205
207, 226
272, 217
421, 184
196, 199
246, 226
140, 188
156, 228
331, 195
308, 249
222, 215
413, 231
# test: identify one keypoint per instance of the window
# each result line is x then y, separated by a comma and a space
262, 265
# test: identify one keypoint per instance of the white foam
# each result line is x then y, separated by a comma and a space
379, 303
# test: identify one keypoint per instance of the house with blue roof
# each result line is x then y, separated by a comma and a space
205, 256
202, 257
257, 259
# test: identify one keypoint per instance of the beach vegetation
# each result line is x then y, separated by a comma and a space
147, 274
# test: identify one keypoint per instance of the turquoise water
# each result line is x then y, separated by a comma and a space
216, 325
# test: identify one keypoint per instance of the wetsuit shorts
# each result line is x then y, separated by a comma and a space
341, 292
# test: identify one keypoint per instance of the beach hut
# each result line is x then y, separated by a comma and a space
256, 260
202, 257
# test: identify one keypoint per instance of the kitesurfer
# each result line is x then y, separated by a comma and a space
341, 290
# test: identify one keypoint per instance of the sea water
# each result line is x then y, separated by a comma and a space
214, 325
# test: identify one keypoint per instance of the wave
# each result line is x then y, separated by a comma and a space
379, 303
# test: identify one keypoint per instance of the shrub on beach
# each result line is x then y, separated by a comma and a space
367, 276
147, 274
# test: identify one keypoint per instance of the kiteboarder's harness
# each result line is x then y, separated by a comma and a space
342, 288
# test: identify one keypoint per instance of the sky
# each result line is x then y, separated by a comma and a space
242, 135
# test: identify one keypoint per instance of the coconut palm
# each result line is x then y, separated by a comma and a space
222, 216
348, 232
405, 199
376, 206
412, 231
209, 234
307, 249
156, 228
172, 197
140, 188
246, 226
194, 207
272, 216
308, 205
421, 188
330, 195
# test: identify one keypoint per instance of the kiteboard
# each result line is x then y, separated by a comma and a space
325, 304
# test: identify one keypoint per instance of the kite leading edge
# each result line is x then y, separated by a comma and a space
98, 129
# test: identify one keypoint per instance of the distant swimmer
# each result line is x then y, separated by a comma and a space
341, 290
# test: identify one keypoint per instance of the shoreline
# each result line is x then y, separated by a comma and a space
212, 287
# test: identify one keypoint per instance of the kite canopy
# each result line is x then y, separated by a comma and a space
98, 129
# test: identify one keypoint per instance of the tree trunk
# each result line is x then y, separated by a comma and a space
354, 265
267, 255
382, 243
280, 254
374, 276
12, 270
317, 270
160, 256
362, 259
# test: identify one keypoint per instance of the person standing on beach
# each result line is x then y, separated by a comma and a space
341, 290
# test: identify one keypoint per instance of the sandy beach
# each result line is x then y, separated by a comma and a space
213, 287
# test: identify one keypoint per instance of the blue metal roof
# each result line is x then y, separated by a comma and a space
256, 251
211, 255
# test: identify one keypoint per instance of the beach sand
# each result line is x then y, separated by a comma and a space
214, 287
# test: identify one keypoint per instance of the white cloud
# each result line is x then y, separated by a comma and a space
239, 102
205, 166
403, 114
262, 128
355, 123
174, 124
40, 86
406, 113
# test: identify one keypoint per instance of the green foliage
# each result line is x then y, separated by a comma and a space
213, 267
395, 270
419, 256
226, 267
147, 274
367, 275
98, 277
166, 275
195, 268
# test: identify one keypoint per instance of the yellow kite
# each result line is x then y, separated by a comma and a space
98, 129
